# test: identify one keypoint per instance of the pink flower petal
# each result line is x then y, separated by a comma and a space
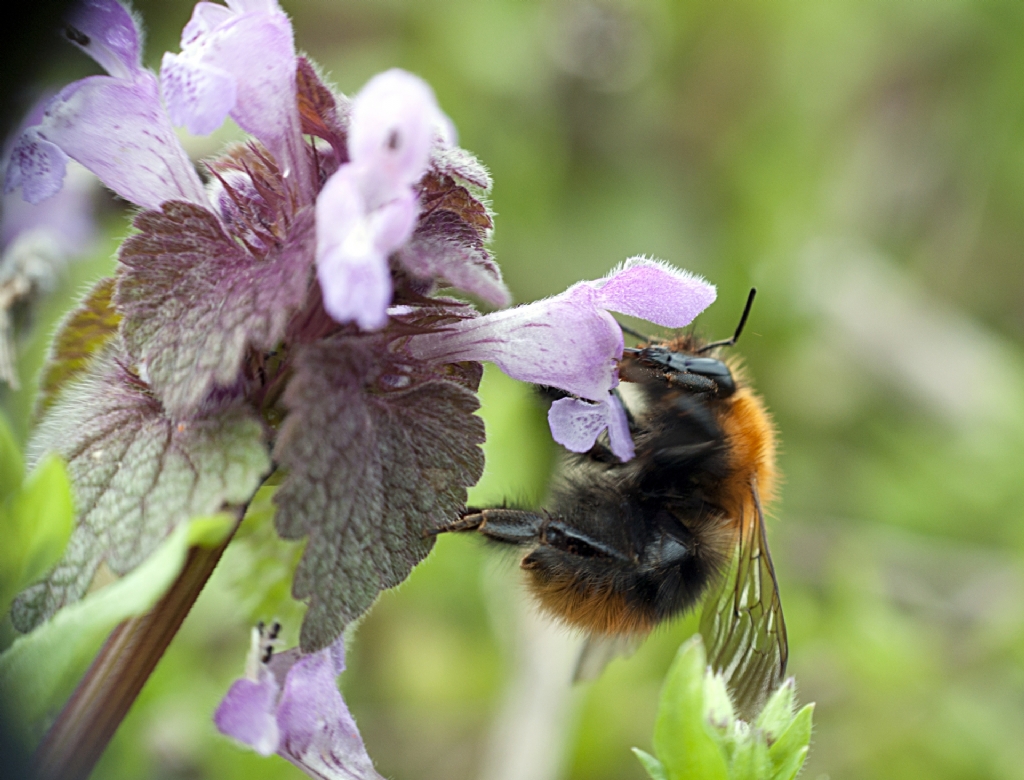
576, 424
247, 713
352, 248
565, 341
118, 129
655, 292
199, 96
296, 710
250, 45
37, 166
108, 33
395, 120
619, 438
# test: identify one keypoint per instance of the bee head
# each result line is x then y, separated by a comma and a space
700, 375
688, 369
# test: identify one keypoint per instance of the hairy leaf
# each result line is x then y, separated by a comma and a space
194, 301
319, 110
449, 241
790, 750
377, 454
654, 768
41, 669
136, 474
683, 740
81, 335
12, 467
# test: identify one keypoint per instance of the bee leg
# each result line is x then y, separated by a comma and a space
508, 526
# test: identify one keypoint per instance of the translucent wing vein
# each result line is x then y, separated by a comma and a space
742, 623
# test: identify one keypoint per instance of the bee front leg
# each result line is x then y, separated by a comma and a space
507, 526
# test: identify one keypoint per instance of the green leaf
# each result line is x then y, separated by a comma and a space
137, 474
12, 467
718, 709
40, 670
35, 523
82, 334
750, 759
651, 764
778, 711
376, 455
790, 750
682, 738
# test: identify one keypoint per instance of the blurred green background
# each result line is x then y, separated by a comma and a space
860, 162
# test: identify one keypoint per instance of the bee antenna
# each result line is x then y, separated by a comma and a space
739, 328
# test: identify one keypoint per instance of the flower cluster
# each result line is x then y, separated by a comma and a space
286, 310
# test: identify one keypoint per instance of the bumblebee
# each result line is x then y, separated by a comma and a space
625, 547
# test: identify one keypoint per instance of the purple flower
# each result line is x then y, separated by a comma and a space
571, 342
368, 208
114, 125
37, 240
240, 60
290, 705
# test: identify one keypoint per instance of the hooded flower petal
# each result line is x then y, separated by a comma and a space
293, 708
395, 120
108, 33
113, 125
655, 292
368, 208
572, 343
240, 60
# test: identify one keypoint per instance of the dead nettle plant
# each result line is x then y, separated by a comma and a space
281, 312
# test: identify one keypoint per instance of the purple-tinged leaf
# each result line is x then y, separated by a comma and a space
194, 301
376, 454
323, 113
449, 241
291, 706
457, 162
136, 474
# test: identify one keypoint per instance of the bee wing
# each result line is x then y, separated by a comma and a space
600, 649
742, 622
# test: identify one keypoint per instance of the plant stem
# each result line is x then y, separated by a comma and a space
86, 724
